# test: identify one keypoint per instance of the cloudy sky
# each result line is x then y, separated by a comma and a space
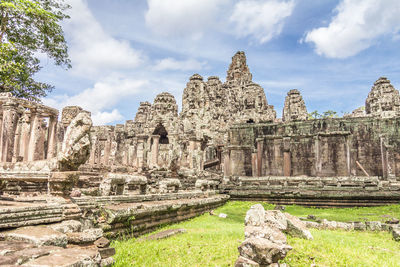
127, 51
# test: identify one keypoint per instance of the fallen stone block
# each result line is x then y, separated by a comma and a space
297, 228
263, 251
373, 226
108, 262
9, 247
106, 252
255, 216
396, 234
276, 219
243, 262
359, 226
37, 235
272, 234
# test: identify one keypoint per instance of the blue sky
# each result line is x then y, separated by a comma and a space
127, 51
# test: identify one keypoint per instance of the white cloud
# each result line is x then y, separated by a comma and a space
92, 50
181, 18
104, 95
183, 65
355, 27
262, 20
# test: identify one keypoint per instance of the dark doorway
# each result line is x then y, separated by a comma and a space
162, 132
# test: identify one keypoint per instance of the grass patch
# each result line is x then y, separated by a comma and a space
213, 241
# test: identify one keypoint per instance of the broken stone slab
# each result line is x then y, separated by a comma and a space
68, 257
255, 216
263, 251
166, 234
244, 262
86, 236
67, 226
295, 227
37, 235
273, 234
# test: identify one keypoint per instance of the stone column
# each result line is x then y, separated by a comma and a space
51, 137
287, 161
254, 164
17, 141
140, 156
317, 151
92, 158
260, 151
25, 134
192, 146
9, 125
154, 150
225, 156
34, 135
107, 151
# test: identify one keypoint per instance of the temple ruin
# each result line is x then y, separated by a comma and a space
166, 166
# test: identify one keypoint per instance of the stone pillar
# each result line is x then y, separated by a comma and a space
34, 138
317, 151
225, 156
140, 154
107, 151
237, 161
192, 147
51, 137
25, 134
17, 141
154, 150
260, 151
287, 161
9, 125
254, 165
383, 157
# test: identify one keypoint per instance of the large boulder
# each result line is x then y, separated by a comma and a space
243, 262
263, 251
76, 145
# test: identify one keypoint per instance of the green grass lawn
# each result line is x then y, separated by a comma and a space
213, 241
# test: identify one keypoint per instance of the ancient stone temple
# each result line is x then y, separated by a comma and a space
69, 182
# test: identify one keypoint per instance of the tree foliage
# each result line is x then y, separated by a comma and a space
27, 28
325, 115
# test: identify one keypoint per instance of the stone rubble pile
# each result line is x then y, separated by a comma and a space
61, 244
265, 242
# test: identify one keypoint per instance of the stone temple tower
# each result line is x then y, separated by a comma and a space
383, 99
295, 108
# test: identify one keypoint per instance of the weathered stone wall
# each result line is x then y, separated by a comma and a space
326, 147
314, 191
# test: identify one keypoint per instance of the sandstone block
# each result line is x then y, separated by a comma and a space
263, 251
272, 234
255, 216
244, 262
295, 227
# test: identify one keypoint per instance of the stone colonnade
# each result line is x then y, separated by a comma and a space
24, 133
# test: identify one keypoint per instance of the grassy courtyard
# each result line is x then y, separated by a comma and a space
213, 241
